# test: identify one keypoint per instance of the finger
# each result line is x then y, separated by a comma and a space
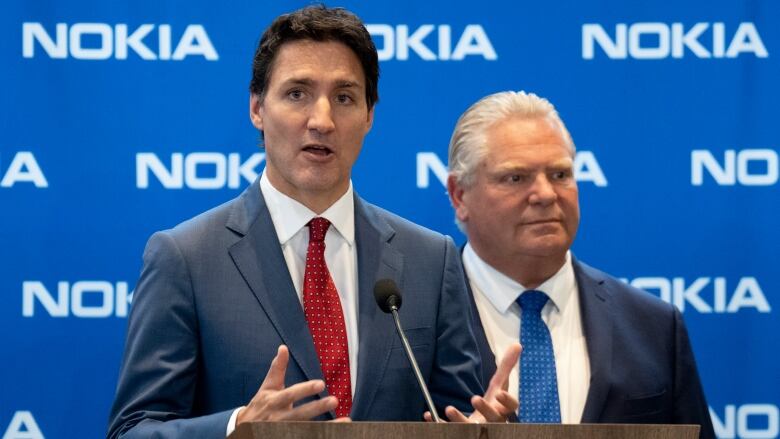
310, 410
500, 379
487, 411
429, 418
455, 415
274, 379
296, 392
342, 419
509, 403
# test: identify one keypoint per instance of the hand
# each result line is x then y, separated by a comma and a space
497, 404
274, 402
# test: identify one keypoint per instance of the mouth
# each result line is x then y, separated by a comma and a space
542, 221
318, 150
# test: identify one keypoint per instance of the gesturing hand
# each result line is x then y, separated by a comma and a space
274, 402
497, 404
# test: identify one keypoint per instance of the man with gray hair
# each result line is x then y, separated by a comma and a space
595, 350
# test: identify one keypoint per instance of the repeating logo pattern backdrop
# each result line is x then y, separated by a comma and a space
122, 119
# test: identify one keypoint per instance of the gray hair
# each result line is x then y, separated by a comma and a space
468, 145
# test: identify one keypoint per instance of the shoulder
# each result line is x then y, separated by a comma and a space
630, 300
204, 223
232, 218
403, 230
203, 231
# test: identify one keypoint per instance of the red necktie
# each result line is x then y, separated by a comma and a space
322, 308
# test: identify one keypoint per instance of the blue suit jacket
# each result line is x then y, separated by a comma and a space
215, 300
642, 366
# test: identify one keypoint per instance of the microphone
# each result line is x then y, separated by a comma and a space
388, 297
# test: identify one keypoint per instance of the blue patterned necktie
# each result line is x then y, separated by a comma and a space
538, 381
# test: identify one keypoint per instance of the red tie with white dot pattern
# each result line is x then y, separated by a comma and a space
322, 308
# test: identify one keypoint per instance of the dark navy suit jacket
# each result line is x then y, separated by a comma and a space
215, 300
642, 366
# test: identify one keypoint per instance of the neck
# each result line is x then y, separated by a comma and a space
316, 200
317, 203
528, 271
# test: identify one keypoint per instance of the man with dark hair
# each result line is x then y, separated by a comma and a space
274, 289
321, 24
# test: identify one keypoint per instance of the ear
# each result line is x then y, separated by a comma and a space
256, 111
370, 121
456, 192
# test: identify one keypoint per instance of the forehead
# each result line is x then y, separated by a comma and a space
536, 141
316, 61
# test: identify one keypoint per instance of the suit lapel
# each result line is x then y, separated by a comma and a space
597, 321
488, 357
376, 330
258, 256
485, 351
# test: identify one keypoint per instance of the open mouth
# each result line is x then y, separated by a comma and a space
320, 150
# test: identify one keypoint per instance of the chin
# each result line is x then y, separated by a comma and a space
324, 184
548, 248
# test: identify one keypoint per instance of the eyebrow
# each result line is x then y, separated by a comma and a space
298, 81
341, 83
557, 165
508, 168
347, 84
565, 163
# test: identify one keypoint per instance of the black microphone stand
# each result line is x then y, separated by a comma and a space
415, 367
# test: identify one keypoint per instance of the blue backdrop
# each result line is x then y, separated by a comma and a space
122, 118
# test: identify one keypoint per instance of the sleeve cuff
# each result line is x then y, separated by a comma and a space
231, 425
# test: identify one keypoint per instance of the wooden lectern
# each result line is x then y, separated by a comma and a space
422, 430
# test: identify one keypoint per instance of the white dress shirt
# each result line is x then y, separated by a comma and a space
290, 218
495, 295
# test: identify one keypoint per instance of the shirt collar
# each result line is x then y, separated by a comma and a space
502, 291
289, 216
560, 286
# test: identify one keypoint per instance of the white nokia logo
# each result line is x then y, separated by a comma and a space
660, 41
736, 167
116, 41
707, 294
23, 426
197, 170
86, 298
22, 169
396, 42
735, 422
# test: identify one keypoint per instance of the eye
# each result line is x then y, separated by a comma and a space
513, 178
295, 94
561, 175
344, 98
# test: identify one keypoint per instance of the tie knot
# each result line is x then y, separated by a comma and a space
532, 300
317, 229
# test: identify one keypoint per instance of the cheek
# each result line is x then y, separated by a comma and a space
282, 121
574, 222
356, 137
572, 206
572, 212
471, 205
279, 153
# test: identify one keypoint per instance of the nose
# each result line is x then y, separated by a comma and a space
320, 117
542, 191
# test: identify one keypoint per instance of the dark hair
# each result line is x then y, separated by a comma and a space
318, 23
